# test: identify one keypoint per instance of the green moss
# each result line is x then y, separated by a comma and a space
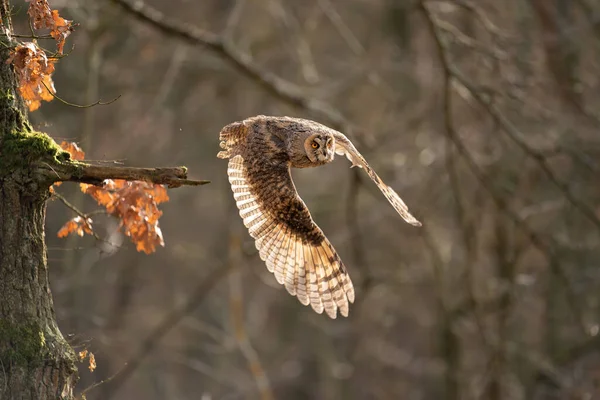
21, 344
9, 96
20, 148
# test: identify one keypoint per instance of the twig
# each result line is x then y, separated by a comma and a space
95, 174
517, 137
469, 238
236, 304
165, 326
28, 36
98, 103
83, 216
243, 63
96, 384
501, 203
352, 221
72, 208
481, 16
343, 29
450, 348
466, 40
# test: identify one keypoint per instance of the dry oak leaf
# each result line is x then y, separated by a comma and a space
135, 204
34, 70
43, 17
40, 13
82, 355
60, 30
77, 225
73, 149
92, 362
76, 154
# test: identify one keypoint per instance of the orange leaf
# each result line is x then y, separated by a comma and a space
61, 28
100, 194
82, 355
76, 225
72, 148
40, 14
33, 70
135, 204
69, 227
92, 359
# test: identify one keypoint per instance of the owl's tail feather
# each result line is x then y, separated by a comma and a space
231, 137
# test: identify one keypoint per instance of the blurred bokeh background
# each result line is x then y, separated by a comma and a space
483, 115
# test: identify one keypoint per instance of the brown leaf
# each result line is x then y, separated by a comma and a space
76, 225
102, 196
82, 355
61, 28
34, 70
43, 17
73, 149
40, 13
92, 364
76, 154
135, 204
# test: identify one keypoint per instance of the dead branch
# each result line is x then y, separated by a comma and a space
95, 174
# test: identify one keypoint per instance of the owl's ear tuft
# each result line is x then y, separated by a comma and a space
232, 137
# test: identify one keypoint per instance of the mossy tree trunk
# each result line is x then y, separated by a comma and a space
35, 360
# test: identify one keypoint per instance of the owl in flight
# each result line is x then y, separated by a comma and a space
261, 151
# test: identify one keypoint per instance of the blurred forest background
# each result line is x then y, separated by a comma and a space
481, 114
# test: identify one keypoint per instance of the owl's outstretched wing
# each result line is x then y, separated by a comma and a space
343, 146
291, 244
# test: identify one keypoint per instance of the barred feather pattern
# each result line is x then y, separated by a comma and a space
261, 150
297, 253
343, 146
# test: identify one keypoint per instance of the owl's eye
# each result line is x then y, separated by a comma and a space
315, 145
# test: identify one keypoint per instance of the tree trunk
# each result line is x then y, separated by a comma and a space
35, 360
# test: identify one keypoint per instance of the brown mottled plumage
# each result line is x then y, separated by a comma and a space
261, 151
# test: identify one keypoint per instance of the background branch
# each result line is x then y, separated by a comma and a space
548, 250
165, 326
283, 90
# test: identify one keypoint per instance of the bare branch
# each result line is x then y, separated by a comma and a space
285, 91
95, 174
517, 137
540, 243
467, 41
96, 103
165, 326
472, 7
236, 305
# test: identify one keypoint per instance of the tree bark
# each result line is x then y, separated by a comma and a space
35, 360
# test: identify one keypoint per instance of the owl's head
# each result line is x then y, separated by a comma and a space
319, 147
